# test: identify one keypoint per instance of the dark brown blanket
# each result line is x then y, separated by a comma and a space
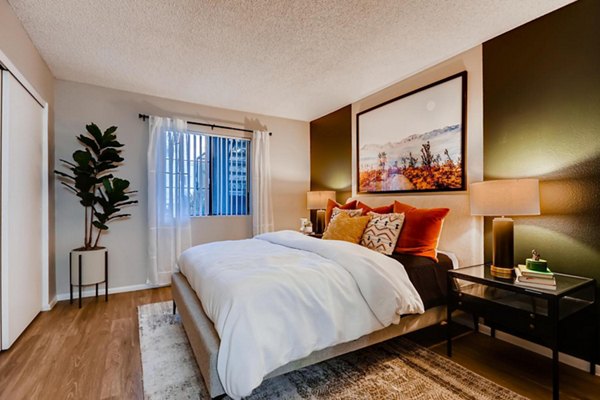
428, 277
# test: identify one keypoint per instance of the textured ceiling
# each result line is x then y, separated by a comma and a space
296, 59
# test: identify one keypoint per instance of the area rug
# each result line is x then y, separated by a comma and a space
396, 369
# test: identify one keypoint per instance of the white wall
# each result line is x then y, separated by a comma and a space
16, 46
462, 233
79, 104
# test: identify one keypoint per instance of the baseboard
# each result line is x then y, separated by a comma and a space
48, 306
527, 345
111, 290
539, 349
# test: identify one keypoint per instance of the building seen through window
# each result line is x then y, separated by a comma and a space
215, 173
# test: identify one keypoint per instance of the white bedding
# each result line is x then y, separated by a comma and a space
280, 296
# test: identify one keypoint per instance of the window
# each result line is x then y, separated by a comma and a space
215, 173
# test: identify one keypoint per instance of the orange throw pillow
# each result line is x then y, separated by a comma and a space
333, 204
421, 230
377, 210
401, 207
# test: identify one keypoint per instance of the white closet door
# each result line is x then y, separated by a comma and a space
22, 196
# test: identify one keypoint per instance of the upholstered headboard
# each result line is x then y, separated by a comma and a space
462, 234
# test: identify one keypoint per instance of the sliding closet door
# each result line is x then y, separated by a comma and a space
21, 207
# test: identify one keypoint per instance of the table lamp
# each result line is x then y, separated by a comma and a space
502, 199
317, 200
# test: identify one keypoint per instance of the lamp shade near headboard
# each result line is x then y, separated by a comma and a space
506, 197
317, 200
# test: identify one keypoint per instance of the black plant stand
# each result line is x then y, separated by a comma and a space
97, 283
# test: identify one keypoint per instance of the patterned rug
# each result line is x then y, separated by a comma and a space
396, 369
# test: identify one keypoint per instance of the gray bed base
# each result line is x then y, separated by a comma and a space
204, 339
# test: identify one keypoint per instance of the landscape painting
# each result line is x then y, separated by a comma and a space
414, 143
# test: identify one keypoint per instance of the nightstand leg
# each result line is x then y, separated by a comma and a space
449, 332
555, 379
555, 346
449, 315
594, 341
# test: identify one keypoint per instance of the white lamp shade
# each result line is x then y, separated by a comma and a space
506, 197
318, 200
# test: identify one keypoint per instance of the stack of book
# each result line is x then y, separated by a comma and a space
534, 279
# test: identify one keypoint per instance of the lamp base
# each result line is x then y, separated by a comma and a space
320, 225
504, 273
503, 261
503, 243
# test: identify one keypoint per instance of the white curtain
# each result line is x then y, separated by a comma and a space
262, 204
168, 203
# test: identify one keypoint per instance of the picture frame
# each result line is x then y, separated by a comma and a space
415, 142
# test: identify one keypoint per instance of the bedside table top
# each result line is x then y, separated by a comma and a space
481, 273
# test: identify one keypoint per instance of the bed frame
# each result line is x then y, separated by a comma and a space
461, 233
205, 341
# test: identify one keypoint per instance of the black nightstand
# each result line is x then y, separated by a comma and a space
533, 314
316, 235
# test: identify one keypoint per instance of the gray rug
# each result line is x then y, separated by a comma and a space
396, 369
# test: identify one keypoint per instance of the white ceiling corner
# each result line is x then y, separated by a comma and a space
287, 58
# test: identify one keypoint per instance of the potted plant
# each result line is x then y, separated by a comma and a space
101, 194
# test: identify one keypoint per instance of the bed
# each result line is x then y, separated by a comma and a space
373, 319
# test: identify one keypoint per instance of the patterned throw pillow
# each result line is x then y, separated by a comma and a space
382, 232
351, 213
332, 204
346, 228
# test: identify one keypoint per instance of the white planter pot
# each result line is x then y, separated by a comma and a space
92, 266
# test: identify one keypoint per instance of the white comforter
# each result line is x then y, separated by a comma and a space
280, 296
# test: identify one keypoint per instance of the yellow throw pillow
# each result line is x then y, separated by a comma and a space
344, 227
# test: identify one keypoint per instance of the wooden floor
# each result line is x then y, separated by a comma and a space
87, 353
522, 371
93, 353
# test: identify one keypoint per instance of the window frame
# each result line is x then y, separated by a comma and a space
234, 136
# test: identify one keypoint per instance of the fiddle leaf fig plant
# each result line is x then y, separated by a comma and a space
91, 178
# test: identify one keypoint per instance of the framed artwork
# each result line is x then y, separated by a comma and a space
414, 142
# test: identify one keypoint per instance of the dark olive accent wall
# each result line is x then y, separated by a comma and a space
331, 153
542, 119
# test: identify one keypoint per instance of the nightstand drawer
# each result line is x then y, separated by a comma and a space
501, 315
520, 322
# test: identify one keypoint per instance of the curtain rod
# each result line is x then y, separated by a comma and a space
144, 117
